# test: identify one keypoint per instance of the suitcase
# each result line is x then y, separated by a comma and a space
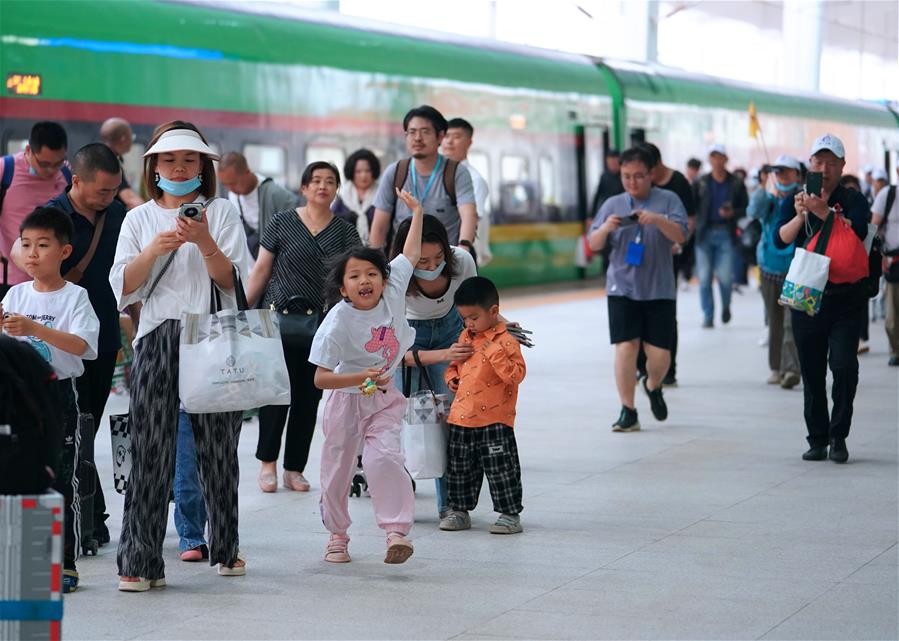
87, 475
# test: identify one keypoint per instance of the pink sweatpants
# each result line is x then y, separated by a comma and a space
374, 421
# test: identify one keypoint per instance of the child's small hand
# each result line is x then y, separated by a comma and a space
453, 385
459, 352
410, 201
377, 377
18, 325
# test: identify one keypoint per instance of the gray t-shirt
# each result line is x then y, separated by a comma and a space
653, 278
437, 202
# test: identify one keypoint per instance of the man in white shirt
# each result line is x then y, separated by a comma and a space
885, 214
456, 143
256, 197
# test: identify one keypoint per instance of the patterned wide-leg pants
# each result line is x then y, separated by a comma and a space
153, 418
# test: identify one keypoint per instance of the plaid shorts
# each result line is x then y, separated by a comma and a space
476, 452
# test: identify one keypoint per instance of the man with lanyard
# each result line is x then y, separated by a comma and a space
29, 179
830, 336
425, 129
97, 217
459, 134
116, 134
256, 197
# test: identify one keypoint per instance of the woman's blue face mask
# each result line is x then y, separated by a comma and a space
176, 188
786, 187
433, 274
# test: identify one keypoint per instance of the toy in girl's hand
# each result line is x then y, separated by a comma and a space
368, 387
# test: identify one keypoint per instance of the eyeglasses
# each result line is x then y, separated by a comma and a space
633, 177
415, 133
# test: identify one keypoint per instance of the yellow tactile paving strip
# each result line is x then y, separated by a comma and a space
524, 300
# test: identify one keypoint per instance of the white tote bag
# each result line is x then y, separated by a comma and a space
231, 360
424, 435
803, 287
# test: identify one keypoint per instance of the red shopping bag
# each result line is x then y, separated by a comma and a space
848, 258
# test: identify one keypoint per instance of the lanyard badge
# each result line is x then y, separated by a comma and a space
635, 248
421, 198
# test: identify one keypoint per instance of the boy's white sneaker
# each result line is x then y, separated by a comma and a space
507, 524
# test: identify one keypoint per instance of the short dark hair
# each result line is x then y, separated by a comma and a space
50, 218
432, 231
461, 123
652, 150
47, 134
850, 182
429, 113
334, 281
637, 154
613, 153
92, 158
312, 167
694, 163
477, 290
349, 167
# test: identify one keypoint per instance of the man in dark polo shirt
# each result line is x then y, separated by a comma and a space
90, 200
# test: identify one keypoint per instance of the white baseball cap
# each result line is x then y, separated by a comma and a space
717, 148
830, 143
181, 140
786, 161
880, 174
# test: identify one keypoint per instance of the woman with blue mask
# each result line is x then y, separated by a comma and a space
774, 263
170, 263
431, 311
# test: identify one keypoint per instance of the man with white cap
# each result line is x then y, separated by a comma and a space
166, 260
774, 264
885, 214
831, 336
720, 198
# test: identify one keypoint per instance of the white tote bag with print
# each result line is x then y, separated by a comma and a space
424, 435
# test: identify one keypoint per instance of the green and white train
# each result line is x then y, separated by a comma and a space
286, 86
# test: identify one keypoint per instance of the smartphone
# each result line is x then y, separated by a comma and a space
191, 210
629, 220
813, 182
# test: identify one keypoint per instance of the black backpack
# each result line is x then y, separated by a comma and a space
399, 179
29, 424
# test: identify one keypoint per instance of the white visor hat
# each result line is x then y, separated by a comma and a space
181, 140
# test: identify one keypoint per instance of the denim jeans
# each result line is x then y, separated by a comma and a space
437, 333
190, 505
715, 252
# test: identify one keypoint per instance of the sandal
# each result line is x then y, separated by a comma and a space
295, 481
268, 482
238, 569
139, 583
399, 548
336, 552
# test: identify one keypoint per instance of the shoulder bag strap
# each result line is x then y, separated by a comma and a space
422, 373
449, 180
824, 236
891, 198
77, 272
160, 275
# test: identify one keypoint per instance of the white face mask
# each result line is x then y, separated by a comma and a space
425, 274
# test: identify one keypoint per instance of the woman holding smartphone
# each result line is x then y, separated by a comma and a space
169, 262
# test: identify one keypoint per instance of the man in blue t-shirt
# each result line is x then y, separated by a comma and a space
720, 199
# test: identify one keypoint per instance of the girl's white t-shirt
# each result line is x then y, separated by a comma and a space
186, 287
68, 310
352, 340
423, 307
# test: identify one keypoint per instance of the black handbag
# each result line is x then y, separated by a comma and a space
299, 320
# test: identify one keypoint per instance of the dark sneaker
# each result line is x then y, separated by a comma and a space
894, 361
101, 533
69, 581
670, 380
708, 323
627, 421
790, 380
725, 316
656, 402
455, 520
815, 453
838, 451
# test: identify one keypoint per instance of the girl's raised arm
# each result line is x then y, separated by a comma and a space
412, 247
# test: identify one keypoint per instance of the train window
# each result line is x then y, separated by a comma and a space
328, 153
15, 145
268, 160
514, 168
547, 181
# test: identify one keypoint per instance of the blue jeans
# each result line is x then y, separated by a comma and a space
715, 252
437, 333
190, 505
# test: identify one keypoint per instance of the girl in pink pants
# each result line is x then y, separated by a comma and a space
357, 348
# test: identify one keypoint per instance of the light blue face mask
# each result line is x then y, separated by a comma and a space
424, 274
788, 187
31, 170
179, 188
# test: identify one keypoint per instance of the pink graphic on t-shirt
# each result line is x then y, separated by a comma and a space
384, 338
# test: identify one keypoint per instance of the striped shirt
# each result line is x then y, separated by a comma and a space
302, 261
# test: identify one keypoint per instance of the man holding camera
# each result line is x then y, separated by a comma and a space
720, 199
830, 336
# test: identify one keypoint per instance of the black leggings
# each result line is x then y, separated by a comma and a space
304, 398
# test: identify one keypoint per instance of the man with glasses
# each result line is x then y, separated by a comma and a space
29, 179
830, 336
426, 179
116, 134
640, 226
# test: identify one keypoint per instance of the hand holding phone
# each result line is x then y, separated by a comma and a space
630, 220
814, 181
194, 211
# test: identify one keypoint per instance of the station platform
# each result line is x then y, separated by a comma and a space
707, 526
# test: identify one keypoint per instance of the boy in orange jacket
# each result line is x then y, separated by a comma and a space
481, 438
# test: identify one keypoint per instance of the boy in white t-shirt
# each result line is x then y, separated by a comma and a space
56, 318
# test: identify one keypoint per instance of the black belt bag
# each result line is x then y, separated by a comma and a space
299, 319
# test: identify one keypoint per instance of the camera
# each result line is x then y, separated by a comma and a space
191, 210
